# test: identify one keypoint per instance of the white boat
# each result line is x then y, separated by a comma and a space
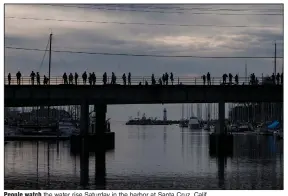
194, 123
66, 127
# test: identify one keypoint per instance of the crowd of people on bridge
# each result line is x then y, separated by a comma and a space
163, 80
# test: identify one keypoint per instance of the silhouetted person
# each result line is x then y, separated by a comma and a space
113, 79
224, 78
146, 83
166, 78
76, 78
104, 78
65, 78
256, 81
281, 78
9, 79
124, 79
171, 78
273, 78
45, 80
18, 76
32, 76
236, 79
153, 80
93, 78
90, 79
140, 83
278, 78
160, 81
163, 78
84, 77
70, 78
208, 79
204, 79
129, 78
38, 78
230, 78
253, 78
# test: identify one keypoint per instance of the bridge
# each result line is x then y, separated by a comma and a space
102, 95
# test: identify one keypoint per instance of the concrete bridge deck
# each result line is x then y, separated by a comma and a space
28, 95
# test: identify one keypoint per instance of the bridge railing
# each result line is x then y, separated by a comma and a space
135, 80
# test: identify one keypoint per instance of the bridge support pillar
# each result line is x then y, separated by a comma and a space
221, 118
84, 121
101, 110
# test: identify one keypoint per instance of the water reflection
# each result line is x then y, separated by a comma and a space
155, 157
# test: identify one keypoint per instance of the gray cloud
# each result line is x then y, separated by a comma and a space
141, 39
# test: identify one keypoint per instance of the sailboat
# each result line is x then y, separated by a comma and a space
193, 121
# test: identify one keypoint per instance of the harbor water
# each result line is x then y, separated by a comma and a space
148, 157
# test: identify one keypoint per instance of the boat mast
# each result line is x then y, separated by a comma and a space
50, 43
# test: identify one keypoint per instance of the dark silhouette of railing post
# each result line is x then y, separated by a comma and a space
178, 80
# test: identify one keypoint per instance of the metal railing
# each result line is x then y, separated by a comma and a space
135, 80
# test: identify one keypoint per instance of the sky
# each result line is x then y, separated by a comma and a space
261, 25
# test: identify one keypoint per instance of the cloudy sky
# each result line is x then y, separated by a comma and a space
260, 27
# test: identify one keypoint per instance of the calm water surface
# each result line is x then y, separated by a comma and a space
147, 157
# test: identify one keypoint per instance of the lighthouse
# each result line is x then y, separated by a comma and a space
164, 114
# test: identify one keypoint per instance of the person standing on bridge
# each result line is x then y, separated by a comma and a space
236, 79
93, 78
204, 79
166, 78
224, 78
84, 77
76, 78
129, 78
171, 78
146, 83
281, 77
163, 79
38, 78
104, 78
70, 78
160, 81
253, 79
32, 76
45, 80
278, 78
273, 78
230, 78
18, 76
113, 79
9, 79
124, 79
65, 78
90, 79
153, 80
208, 79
